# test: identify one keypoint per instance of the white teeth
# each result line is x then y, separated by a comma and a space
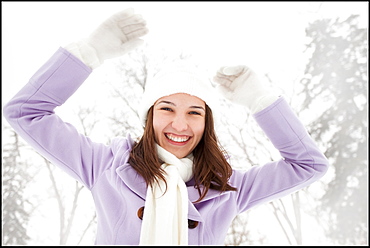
177, 139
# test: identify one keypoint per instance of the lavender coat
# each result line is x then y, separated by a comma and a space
117, 189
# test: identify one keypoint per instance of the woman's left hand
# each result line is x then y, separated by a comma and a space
240, 85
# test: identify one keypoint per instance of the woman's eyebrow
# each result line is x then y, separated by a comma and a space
197, 107
166, 102
171, 103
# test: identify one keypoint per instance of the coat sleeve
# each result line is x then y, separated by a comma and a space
31, 114
302, 162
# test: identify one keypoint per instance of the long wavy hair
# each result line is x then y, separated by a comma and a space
211, 169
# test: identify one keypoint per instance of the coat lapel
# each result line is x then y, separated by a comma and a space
194, 194
137, 185
133, 180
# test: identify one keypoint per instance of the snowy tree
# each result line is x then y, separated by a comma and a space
16, 209
336, 80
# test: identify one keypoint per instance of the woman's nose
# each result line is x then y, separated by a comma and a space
179, 123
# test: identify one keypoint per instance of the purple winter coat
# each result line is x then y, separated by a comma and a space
119, 191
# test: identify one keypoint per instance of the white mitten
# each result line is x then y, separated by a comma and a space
240, 85
116, 36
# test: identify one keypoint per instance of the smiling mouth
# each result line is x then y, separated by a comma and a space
178, 139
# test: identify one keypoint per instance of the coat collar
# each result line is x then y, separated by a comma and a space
136, 184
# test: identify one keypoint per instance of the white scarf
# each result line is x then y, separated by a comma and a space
165, 219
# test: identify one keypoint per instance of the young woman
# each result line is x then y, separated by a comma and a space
174, 186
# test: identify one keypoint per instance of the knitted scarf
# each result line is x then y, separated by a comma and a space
165, 219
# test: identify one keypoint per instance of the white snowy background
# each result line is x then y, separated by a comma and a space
268, 36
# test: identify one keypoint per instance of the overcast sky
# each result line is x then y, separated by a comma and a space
267, 36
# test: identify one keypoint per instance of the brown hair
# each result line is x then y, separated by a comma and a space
211, 169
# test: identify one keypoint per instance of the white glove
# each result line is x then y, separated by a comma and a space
240, 85
115, 37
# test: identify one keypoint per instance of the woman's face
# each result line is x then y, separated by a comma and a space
178, 122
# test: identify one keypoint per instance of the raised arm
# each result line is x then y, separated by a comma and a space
31, 111
302, 162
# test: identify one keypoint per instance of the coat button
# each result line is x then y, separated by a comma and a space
140, 213
191, 223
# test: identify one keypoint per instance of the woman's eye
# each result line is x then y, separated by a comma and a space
166, 109
194, 113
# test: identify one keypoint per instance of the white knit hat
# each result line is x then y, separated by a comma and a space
178, 78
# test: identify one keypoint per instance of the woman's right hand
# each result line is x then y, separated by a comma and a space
115, 37
118, 35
